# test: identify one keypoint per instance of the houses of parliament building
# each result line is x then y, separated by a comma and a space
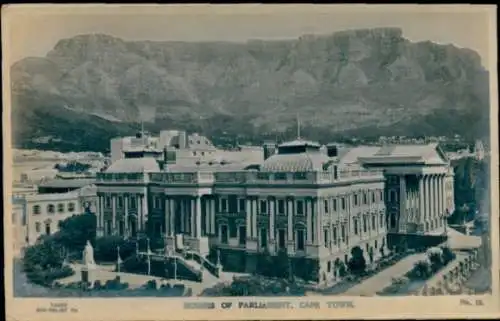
316, 203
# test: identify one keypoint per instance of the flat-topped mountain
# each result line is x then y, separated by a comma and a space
364, 82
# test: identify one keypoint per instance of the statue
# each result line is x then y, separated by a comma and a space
88, 255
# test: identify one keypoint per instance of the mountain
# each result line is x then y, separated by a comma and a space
90, 88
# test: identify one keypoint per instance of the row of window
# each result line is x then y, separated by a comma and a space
232, 204
51, 208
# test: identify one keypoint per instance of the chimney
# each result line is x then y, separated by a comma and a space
269, 149
331, 150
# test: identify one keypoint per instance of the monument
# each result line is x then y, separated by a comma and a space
88, 262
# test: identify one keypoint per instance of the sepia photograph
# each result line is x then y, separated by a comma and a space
250, 161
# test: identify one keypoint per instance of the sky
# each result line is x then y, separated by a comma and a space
34, 30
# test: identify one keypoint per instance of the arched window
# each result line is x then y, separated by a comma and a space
36, 209
60, 208
50, 208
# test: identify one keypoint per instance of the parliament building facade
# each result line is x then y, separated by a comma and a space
314, 205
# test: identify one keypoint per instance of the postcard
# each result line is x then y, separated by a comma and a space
237, 162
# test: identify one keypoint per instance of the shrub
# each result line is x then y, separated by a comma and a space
421, 270
447, 255
106, 248
357, 263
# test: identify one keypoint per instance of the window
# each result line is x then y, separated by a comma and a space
381, 196
47, 228
121, 228
133, 201
373, 197
326, 206
223, 205
37, 227
224, 237
374, 222
157, 202
365, 199
376, 244
242, 235
365, 224
342, 232
300, 240
381, 220
343, 203
36, 209
120, 201
355, 199
60, 208
263, 237
107, 202
355, 227
334, 232
300, 207
50, 208
334, 204
242, 205
329, 266
393, 196
281, 206
263, 206
280, 176
233, 231
325, 237
71, 207
281, 238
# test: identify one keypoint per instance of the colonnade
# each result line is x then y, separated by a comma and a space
432, 201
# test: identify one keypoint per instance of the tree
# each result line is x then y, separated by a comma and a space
357, 263
75, 231
106, 248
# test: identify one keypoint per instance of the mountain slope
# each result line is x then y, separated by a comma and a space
352, 81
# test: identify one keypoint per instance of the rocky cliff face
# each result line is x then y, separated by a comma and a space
359, 79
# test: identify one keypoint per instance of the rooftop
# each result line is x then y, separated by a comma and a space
67, 183
134, 165
301, 162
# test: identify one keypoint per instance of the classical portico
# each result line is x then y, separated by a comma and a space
419, 195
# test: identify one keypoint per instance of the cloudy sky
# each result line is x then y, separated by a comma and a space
34, 31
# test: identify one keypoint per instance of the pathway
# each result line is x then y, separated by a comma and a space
379, 281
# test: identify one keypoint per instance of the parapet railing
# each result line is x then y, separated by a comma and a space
242, 177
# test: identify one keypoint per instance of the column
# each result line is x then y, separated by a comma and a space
181, 212
167, 216
212, 215
317, 209
139, 213
309, 221
100, 215
427, 200
192, 216
144, 210
197, 217
125, 200
113, 218
443, 201
272, 203
248, 208
402, 204
421, 200
254, 218
207, 216
435, 203
289, 213
172, 217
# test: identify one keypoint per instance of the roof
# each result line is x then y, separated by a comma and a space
301, 162
134, 165
89, 190
300, 142
205, 167
67, 183
196, 141
351, 155
429, 154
